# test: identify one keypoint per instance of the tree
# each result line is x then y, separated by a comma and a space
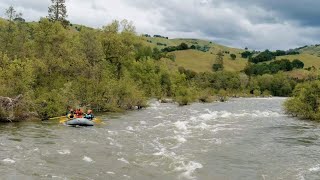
218, 65
297, 64
233, 56
58, 12
8, 36
183, 46
246, 54
12, 14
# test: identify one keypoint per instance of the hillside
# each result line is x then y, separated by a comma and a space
312, 49
198, 60
201, 61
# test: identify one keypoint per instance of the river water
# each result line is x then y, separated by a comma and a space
241, 139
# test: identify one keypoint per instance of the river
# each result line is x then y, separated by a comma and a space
240, 139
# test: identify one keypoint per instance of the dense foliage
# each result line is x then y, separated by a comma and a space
55, 66
306, 101
184, 46
273, 67
266, 55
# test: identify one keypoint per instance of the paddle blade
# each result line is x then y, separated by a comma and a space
63, 120
97, 120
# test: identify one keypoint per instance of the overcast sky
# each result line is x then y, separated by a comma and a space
257, 24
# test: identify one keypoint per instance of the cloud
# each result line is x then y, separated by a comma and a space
257, 24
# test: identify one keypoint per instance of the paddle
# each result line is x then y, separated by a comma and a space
54, 118
97, 120
63, 120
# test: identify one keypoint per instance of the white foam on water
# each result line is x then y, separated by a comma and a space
123, 160
64, 152
202, 126
110, 172
9, 161
224, 129
180, 139
225, 114
129, 128
209, 116
126, 176
155, 105
113, 132
143, 122
164, 152
159, 125
315, 168
114, 142
36, 149
300, 175
188, 169
158, 117
181, 125
266, 114
161, 152
87, 159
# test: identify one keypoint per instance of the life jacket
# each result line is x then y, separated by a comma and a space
89, 116
70, 116
79, 113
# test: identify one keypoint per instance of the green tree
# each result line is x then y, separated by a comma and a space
8, 35
218, 65
297, 64
233, 56
306, 101
58, 12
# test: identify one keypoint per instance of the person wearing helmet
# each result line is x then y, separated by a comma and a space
89, 115
70, 114
79, 113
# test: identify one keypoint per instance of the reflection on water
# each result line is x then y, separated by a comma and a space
240, 139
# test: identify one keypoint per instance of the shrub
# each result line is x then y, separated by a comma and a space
305, 102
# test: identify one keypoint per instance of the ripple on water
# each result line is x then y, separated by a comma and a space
188, 169
315, 168
87, 159
8, 161
123, 160
64, 152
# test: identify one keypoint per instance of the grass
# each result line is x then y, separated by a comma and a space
199, 61
313, 50
309, 60
202, 61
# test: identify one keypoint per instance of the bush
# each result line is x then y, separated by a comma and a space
233, 56
305, 102
217, 67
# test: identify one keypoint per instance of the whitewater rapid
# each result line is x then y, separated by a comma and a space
240, 139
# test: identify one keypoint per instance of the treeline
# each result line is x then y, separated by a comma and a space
273, 67
106, 69
266, 55
184, 46
239, 84
155, 36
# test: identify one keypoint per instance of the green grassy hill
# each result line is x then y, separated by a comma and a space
313, 50
197, 60
200, 61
